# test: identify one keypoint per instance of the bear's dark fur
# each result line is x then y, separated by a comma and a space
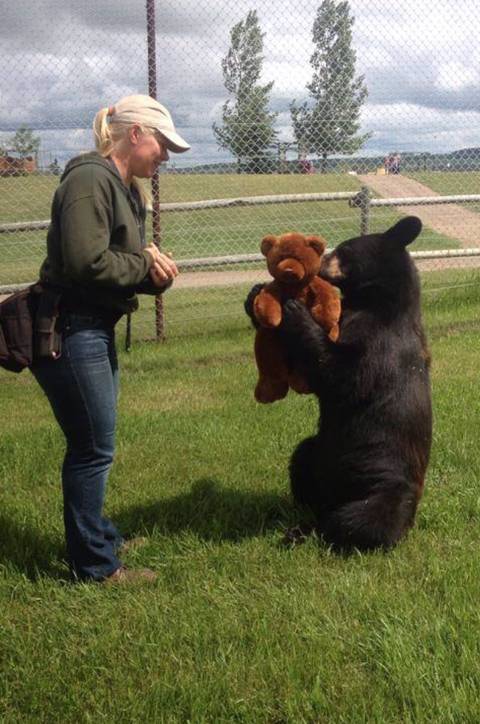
363, 473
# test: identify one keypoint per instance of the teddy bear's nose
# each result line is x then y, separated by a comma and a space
291, 270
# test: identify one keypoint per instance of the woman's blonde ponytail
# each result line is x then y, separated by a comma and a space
103, 136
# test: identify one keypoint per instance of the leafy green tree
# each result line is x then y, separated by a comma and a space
330, 122
247, 129
25, 143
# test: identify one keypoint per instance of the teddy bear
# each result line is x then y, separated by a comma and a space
294, 261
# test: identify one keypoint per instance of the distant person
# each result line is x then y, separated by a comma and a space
98, 258
386, 164
55, 168
391, 163
306, 166
396, 163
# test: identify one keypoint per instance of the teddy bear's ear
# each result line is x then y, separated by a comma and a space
267, 243
317, 243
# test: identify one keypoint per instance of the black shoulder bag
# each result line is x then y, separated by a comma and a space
29, 327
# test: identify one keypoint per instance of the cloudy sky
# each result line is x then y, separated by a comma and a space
62, 60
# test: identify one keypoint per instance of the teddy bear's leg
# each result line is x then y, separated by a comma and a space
272, 369
298, 383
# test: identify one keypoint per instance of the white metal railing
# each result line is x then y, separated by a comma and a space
360, 199
426, 200
207, 204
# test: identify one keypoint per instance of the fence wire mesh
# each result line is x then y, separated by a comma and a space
277, 99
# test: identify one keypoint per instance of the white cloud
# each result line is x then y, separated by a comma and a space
410, 127
63, 60
454, 76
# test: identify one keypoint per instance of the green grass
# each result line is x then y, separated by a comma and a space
240, 629
29, 197
452, 183
211, 232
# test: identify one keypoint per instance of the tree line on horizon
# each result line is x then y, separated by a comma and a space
327, 123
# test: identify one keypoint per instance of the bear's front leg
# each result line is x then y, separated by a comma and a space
249, 302
304, 342
297, 321
272, 382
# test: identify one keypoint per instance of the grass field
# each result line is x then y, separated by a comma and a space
452, 183
239, 628
207, 232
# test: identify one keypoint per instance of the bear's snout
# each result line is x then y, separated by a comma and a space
290, 270
330, 268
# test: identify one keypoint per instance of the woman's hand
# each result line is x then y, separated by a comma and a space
163, 269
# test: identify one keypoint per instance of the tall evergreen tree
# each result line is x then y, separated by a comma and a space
330, 122
247, 128
25, 143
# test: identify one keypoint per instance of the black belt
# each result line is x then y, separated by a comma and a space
109, 316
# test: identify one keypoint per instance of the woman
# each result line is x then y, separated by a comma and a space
98, 259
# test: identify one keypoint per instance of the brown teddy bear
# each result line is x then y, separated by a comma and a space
293, 260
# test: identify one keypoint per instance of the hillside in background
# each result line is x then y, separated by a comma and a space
465, 159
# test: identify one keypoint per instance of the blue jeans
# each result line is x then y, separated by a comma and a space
82, 388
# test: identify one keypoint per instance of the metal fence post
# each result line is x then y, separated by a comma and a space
362, 201
152, 91
364, 210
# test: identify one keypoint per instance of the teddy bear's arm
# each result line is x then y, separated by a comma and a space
267, 306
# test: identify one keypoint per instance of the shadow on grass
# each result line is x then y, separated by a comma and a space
30, 551
212, 512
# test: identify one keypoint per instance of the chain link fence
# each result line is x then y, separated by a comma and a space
323, 117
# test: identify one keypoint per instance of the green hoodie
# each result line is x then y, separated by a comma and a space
95, 242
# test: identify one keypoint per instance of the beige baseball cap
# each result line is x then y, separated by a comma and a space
148, 112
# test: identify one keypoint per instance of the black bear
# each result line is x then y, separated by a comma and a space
363, 473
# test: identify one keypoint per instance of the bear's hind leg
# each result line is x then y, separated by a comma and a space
302, 466
303, 489
379, 520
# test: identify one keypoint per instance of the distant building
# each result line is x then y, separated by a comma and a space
16, 165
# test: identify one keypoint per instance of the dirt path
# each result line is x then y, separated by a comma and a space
450, 219
220, 278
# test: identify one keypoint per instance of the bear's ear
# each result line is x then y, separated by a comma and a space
404, 231
268, 242
317, 243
